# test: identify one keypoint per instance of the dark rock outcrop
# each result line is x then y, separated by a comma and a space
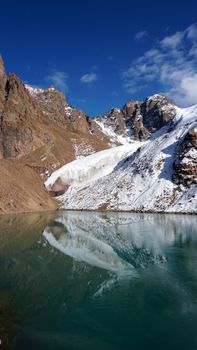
139, 119
157, 111
185, 165
115, 120
3, 79
18, 117
146, 117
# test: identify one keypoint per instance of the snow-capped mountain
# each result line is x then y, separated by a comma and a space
159, 174
140, 157
137, 119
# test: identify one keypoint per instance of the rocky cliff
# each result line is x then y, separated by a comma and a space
39, 132
54, 106
138, 119
185, 164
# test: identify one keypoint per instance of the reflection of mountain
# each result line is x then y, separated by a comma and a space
86, 248
50, 297
116, 242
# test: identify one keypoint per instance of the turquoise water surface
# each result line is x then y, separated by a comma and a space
85, 280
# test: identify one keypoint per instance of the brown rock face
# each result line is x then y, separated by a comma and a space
52, 103
3, 79
115, 119
26, 117
185, 165
22, 189
39, 132
134, 120
129, 109
141, 118
54, 106
157, 111
18, 132
77, 121
140, 132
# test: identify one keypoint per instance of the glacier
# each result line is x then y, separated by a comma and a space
87, 169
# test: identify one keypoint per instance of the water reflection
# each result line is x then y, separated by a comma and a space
77, 279
118, 242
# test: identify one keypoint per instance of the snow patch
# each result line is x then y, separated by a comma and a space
33, 90
114, 138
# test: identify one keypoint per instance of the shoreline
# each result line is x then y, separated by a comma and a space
100, 211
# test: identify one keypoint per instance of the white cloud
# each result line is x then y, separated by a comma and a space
187, 94
192, 31
140, 35
88, 78
172, 65
172, 41
58, 79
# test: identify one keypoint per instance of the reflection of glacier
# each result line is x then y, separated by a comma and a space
84, 247
118, 242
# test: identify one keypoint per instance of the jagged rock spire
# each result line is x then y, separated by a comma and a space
2, 68
3, 78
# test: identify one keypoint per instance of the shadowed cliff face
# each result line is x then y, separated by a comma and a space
185, 164
19, 115
26, 114
3, 79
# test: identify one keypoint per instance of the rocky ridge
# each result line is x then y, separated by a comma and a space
39, 132
185, 165
138, 119
54, 106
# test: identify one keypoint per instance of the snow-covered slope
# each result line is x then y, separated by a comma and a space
114, 137
82, 171
142, 182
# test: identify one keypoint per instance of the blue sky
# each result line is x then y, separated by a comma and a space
103, 52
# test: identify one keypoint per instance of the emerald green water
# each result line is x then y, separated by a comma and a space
113, 281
